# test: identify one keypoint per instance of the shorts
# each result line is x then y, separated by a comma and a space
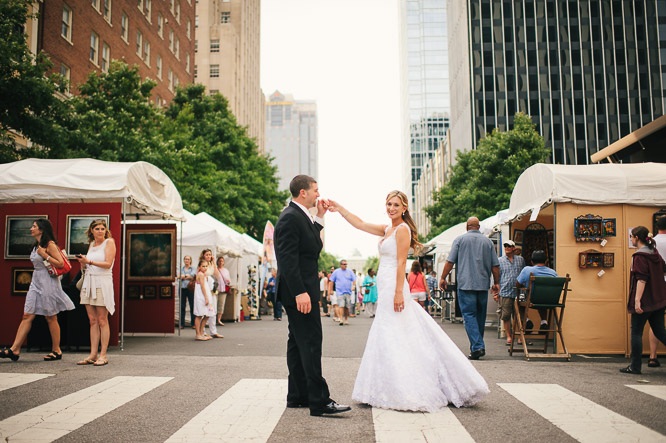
420, 296
506, 308
333, 299
343, 300
99, 301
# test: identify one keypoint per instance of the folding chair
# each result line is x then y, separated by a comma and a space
548, 293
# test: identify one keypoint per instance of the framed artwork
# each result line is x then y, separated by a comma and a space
518, 237
551, 236
21, 279
76, 240
609, 227
151, 255
590, 259
608, 260
166, 291
18, 241
150, 291
588, 228
132, 291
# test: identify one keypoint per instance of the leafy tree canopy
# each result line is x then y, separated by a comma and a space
482, 180
371, 263
327, 260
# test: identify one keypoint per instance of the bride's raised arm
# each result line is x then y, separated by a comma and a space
355, 220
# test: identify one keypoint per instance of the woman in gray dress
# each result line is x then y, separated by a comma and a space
45, 295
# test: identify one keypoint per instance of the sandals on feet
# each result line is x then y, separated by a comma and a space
87, 361
101, 362
8, 353
653, 363
53, 356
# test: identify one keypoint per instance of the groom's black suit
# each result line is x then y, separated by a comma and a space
297, 247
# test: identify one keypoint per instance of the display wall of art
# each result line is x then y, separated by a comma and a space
592, 258
76, 240
18, 241
21, 279
594, 227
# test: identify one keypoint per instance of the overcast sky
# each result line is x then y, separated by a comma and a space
344, 55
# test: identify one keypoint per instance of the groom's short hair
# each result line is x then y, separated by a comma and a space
300, 182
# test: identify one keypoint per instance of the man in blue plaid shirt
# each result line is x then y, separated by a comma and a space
510, 266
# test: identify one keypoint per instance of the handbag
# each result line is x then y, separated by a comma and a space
192, 284
79, 283
67, 266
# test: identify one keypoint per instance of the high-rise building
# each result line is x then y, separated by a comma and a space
228, 58
291, 136
81, 36
588, 72
425, 85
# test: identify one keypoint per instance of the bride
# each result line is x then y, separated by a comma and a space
409, 362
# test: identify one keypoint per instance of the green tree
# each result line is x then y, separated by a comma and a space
327, 260
28, 103
371, 263
482, 180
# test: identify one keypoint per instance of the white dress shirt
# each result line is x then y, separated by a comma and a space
312, 219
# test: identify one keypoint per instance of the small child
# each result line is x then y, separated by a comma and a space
202, 301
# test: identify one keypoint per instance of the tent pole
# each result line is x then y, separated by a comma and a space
122, 279
180, 288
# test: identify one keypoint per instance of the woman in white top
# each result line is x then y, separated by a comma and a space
224, 280
97, 291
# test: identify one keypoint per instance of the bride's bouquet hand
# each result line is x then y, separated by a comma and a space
398, 303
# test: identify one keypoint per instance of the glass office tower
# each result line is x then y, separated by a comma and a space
425, 83
588, 71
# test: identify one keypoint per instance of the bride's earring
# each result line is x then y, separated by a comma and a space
403, 214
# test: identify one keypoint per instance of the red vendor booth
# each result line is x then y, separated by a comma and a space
71, 193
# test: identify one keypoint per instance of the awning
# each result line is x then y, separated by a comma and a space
634, 138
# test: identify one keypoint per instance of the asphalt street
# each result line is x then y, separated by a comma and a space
200, 372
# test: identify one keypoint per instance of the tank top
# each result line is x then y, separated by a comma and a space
416, 283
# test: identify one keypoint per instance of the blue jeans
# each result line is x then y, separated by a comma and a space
473, 305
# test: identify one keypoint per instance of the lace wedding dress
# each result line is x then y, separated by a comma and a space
409, 362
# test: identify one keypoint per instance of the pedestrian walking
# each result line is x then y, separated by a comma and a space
370, 293
510, 266
418, 288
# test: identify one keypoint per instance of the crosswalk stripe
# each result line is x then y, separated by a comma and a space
10, 380
579, 417
397, 426
249, 411
59, 417
658, 391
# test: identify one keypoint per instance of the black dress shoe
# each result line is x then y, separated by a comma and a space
528, 326
297, 404
542, 328
331, 408
629, 370
475, 355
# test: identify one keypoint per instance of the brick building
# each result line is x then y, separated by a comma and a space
81, 36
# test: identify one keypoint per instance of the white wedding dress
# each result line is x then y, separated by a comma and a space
409, 362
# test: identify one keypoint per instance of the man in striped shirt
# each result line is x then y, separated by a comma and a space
510, 266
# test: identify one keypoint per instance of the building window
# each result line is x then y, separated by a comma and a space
94, 47
187, 62
225, 17
139, 4
95, 4
158, 64
139, 43
176, 48
213, 92
149, 9
196, 21
214, 71
160, 25
176, 82
107, 10
66, 23
66, 74
158, 100
170, 78
189, 29
124, 27
196, 71
177, 14
171, 5
146, 52
106, 57
171, 40
196, 46
215, 46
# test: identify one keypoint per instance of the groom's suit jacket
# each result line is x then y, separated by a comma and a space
297, 247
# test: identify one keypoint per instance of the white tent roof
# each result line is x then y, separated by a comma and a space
145, 188
232, 240
542, 184
252, 246
444, 240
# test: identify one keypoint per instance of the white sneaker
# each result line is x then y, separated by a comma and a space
346, 322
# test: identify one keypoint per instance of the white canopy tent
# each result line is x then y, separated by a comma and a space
542, 184
142, 188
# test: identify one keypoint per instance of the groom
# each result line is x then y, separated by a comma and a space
297, 247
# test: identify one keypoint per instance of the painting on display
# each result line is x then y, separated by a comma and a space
150, 291
18, 241
21, 279
77, 241
150, 255
166, 291
132, 291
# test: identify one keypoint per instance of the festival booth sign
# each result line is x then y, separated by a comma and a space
70, 193
581, 216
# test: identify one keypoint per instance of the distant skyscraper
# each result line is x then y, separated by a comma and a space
228, 59
291, 136
588, 72
425, 84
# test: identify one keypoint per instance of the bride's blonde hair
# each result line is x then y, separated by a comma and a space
414, 243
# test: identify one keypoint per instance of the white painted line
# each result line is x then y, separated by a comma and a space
59, 417
10, 380
579, 417
658, 391
399, 426
247, 412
